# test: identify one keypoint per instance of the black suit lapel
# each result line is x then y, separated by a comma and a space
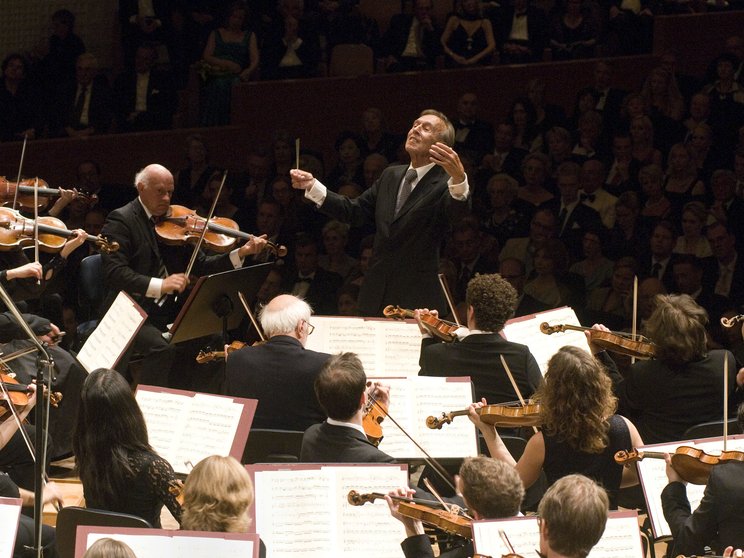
146, 227
423, 189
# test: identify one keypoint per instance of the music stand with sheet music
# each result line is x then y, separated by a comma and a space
213, 305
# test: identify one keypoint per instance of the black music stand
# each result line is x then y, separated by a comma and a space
213, 305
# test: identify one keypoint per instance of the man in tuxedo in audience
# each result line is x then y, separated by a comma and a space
688, 272
522, 32
727, 206
490, 488
658, 263
310, 281
504, 157
594, 195
610, 99
341, 388
280, 373
85, 106
490, 303
728, 278
718, 521
412, 42
145, 98
472, 135
468, 243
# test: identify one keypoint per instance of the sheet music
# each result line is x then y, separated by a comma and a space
526, 330
197, 547
414, 399
387, 348
304, 513
621, 537
112, 336
184, 428
652, 474
10, 512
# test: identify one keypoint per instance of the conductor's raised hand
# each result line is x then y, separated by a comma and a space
174, 283
302, 180
447, 158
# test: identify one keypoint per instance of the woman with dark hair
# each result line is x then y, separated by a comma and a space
523, 116
580, 430
573, 33
118, 468
683, 385
468, 38
19, 107
552, 284
191, 181
349, 167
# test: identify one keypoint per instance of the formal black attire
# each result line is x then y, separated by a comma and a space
395, 39
100, 108
478, 356
663, 401
140, 258
160, 102
718, 521
274, 48
646, 269
476, 142
537, 33
736, 292
281, 374
419, 546
147, 491
405, 258
19, 111
529, 305
25, 534
571, 229
465, 273
322, 292
329, 443
186, 195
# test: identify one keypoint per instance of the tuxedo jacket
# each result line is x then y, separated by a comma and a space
322, 294
100, 107
646, 267
479, 140
140, 255
581, 219
161, 101
478, 356
736, 294
328, 443
405, 256
396, 37
719, 519
281, 375
537, 29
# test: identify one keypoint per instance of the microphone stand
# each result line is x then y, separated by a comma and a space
44, 360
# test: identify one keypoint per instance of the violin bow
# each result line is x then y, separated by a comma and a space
514, 385
20, 169
199, 243
247, 309
634, 327
36, 223
445, 289
725, 399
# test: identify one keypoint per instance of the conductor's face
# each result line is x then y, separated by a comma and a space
425, 132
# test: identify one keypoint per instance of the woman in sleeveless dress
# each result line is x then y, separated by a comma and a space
468, 36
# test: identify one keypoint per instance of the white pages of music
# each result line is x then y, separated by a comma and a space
185, 427
621, 537
387, 348
526, 330
303, 510
414, 399
162, 543
114, 333
10, 512
652, 474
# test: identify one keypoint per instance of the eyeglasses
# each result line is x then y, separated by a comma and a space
310, 327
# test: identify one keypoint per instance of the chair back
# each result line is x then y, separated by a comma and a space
351, 60
70, 517
266, 445
711, 429
90, 284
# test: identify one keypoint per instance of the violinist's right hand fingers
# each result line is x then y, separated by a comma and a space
53, 494
31, 269
302, 180
176, 282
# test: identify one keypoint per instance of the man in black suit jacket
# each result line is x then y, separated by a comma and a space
490, 302
84, 107
468, 243
473, 136
718, 521
148, 271
520, 43
411, 208
610, 99
727, 279
412, 42
145, 98
341, 388
311, 282
659, 262
574, 218
280, 373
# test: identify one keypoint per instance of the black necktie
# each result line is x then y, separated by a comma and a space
588, 197
562, 218
655, 269
405, 189
79, 104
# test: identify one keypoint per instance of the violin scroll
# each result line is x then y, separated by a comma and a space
357, 499
436, 423
732, 321
624, 458
548, 329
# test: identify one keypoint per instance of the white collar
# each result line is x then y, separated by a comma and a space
353, 425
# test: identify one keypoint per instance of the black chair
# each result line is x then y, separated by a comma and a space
69, 518
711, 429
90, 293
272, 446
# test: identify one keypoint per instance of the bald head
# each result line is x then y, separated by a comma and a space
155, 188
286, 315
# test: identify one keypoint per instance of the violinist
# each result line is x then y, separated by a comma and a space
148, 271
341, 388
719, 519
280, 373
490, 303
581, 431
490, 488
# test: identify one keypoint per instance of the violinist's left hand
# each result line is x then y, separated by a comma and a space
671, 473
381, 392
413, 526
592, 346
255, 245
475, 417
423, 312
73, 242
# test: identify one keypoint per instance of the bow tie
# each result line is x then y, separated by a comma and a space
590, 197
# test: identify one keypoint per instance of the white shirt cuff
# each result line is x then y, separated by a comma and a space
154, 288
236, 260
317, 194
459, 191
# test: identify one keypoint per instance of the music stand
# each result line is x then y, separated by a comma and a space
213, 305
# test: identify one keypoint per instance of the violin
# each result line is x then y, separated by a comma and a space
613, 341
732, 321
16, 394
507, 415
208, 356
374, 413
182, 225
441, 329
25, 199
16, 232
448, 521
692, 464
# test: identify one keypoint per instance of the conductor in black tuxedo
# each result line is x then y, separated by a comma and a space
341, 388
280, 373
490, 303
411, 207
148, 270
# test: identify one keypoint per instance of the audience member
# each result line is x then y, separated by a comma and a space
412, 42
468, 37
310, 281
84, 106
692, 240
56, 55
336, 259
349, 166
473, 135
544, 226
522, 32
192, 179
573, 32
291, 47
593, 193
523, 117
20, 111
512, 270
